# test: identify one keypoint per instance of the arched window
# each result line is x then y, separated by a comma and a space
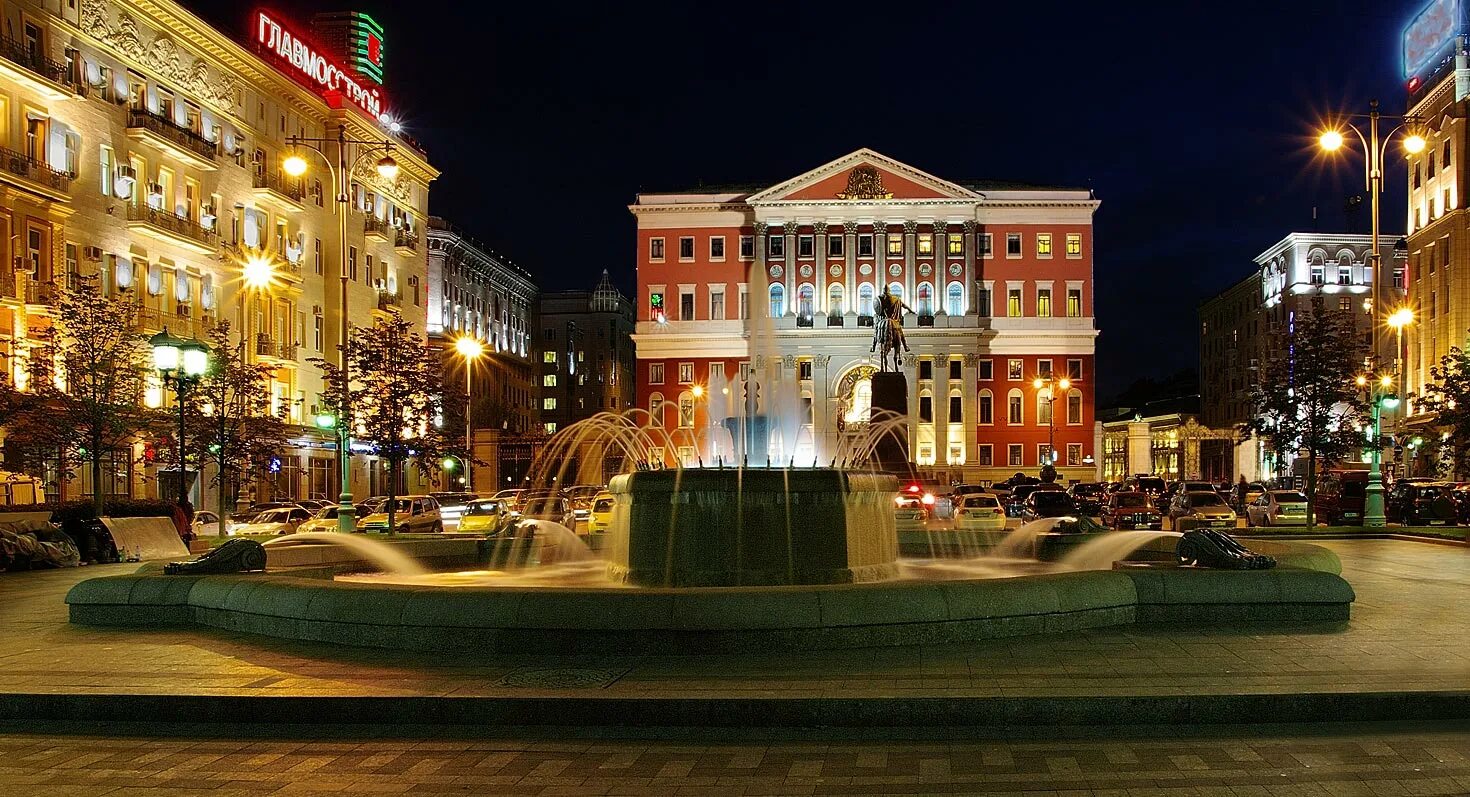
1043, 406
778, 301
986, 408
656, 408
926, 407
686, 410
926, 299
862, 402
865, 299
1074, 407
834, 299
804, 300
955, 303
1015, 414
896, 288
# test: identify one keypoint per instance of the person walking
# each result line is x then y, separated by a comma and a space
1241, 488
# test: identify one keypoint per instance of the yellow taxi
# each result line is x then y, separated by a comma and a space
484, 515
599, 518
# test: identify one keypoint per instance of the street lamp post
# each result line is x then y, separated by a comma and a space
1381, 394
1373, 156
470, 349
295, 165
181, 362
1051, 383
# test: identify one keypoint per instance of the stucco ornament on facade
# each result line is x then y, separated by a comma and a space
865, 269
835, 269
160, 54
365, 171
777, 271
806, 269
865, 182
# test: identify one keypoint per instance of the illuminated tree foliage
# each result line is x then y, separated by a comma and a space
1446, 396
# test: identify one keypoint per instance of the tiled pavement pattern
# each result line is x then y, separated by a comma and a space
1320, 762
1408, 632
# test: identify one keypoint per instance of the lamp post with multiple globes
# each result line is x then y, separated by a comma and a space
180, 362
295, 166
471, 349
1051, 384
1374, 152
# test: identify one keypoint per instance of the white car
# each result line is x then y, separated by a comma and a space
1277, 508
274, 521
324, 519
909, 513
206, 523
980, 511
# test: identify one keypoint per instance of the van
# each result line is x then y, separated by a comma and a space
1340, 497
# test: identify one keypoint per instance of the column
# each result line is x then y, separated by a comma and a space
1140, 449
789, 230
824, 434
941, 265
941, 408
911, 367
880, 258
970, 403
910, 242
849, 253
759, 293
819, 249
1097, 450
971, 277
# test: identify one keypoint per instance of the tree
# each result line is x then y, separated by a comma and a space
1446, 395
231, 409
394, 399
1306, 400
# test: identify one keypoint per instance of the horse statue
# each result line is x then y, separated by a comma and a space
887, 339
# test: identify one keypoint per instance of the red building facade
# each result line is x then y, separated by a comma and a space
759, 302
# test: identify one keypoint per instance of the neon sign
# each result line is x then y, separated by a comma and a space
315, 69
1430, 32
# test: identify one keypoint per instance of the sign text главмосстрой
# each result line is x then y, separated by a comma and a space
323, 71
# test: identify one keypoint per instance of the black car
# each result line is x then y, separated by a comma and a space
1089, 497
1016, 501
1421, 504
1048, 503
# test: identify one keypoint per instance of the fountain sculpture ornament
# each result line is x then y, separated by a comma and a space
234, 556
1215, 549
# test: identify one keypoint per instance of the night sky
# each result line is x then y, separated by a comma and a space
1194, 128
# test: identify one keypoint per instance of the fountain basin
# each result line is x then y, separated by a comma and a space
607, 620
752, 527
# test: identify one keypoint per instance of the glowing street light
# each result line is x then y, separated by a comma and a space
388, 168
258, 272
295, 165
1330, 141
1414, 143
471, 349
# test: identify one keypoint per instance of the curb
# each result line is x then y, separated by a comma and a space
744, 712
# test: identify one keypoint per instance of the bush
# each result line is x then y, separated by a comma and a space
80, 511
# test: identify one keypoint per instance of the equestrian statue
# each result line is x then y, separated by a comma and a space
888, 329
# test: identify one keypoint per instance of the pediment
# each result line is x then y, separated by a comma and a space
863, 176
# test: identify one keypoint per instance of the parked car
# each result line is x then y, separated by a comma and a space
581, 497
485, 515
1176, 488
1340, 497
414, 514
1089, 497
961, 491
552, 508
1131, 510
451, 505
1200, 510
979, 512
1153, 486
314, 503
1416, 503
206, 523
253, 511
1277, 508
324, 519
512, 498
909, 512
274, 521
1047, 503
1016, 501
599, 520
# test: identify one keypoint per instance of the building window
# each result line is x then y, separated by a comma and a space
717, 247
954, 370
834, 246
986, 369
1074, 302
1418, 175
926, 369
717, 305
686, 247
1074, 370
1344, 275
1043, 407
956, 243
1074, 453
895, 243
548, 357
982, 302
1074, 407
1319, 274
1014, 369
1043, 454
655, 249
686, 373
1043, 368
984, 454
956, 411
987, 407
747, 247
925, 299
778, 301
987, 245
1015, 411
865, 299
1445, 160
865, 245
1013, 244
804, 370
744, 303
1013, 455
926, 243
1043, 302
655, 305
1013, 303
548, 380
1043, 244
805, 246
105, 171
686, 306
1074, 244
926, 409
686, 411
655, 373
776, 246
548, 403
834, 299
317, 256
955, 299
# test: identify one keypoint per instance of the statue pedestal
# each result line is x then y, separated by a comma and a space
891, 395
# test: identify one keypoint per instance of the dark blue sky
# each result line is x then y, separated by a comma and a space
1193, 125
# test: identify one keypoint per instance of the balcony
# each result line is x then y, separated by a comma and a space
834, 320
39, 291
172, 139
804, 321
25, 64
269, 347
405, 242
167, 227
32, 175
388, 300
926, 320
865, 320
150, 320
285, 193
374, 227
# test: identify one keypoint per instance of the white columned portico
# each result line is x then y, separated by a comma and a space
849, 253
